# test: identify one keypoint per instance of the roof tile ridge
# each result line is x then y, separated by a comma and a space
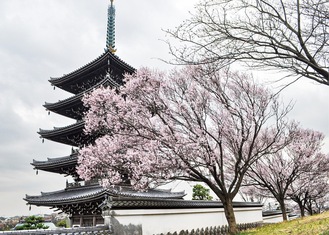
56, 159
76, 124
123, 62
136, 194
81, 187
76, 70
60, 158
67, 100
79, 95
169, 191
52, 192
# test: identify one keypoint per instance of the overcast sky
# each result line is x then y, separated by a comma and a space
41, 39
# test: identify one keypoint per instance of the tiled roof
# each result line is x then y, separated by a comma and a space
57, 130
174, 204
104, 82
68, 107
271, 213
68, 195
71, 135
95, 192
55, 161
61, 165
126, 198
105, 56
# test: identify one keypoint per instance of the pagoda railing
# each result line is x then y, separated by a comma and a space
97, 230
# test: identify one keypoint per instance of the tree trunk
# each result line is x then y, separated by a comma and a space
230, 217
308, 207
283, 209
301, 208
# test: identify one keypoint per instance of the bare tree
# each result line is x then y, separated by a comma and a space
284, 35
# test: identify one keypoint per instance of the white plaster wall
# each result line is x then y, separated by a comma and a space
171, 220
248, 215
273, 219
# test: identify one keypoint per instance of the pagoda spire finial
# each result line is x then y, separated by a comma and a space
110, 38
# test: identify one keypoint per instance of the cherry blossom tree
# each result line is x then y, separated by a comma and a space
251, 193
193, 124
310, 188
318, 204
281, 35
278, 172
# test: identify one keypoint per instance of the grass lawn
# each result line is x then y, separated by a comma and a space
310, 225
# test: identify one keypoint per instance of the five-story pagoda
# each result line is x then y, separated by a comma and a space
82, 200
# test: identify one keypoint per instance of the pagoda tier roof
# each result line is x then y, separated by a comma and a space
90, 74
126, 198
71, 135
62, 165
73, 107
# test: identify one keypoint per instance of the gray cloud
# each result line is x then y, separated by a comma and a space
41, 39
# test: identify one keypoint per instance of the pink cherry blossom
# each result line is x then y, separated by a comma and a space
192, 124
284, 172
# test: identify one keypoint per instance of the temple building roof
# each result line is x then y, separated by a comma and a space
88, 193
71, 135
73, 107
123, 198
92, 73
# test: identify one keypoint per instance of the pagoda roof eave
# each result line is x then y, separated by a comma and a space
61, 165
58, 160
107, 55
61, 130
73, 135
77, 98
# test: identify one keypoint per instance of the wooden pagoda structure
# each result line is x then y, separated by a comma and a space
82, 200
